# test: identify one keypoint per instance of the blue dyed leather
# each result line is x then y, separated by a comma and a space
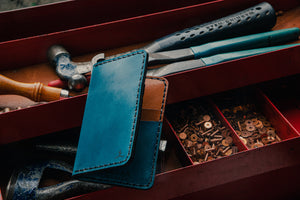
25, 181
111, 113
253, 41
109, 126
139, 172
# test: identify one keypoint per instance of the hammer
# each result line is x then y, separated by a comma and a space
69, 71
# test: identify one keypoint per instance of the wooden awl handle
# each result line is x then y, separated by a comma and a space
35, 91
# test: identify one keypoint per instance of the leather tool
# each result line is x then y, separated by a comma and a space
258, 18
71, 71
34, 91
207, 61
25, 183
265, 39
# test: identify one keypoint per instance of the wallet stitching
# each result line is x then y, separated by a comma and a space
156, 148
136, 109
158, 128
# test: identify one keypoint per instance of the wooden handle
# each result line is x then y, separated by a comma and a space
34, 91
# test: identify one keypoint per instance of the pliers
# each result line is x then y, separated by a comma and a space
220, 51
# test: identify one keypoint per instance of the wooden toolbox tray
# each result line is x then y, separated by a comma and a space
269, 172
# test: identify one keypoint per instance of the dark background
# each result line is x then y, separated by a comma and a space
17, 4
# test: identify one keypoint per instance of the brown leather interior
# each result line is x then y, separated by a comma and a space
154, 99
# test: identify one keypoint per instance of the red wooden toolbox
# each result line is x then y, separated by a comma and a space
86, 28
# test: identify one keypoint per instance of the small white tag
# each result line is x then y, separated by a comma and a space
163, 145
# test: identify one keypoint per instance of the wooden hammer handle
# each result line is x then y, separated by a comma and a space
34, 91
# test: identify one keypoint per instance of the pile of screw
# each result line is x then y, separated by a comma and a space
203, 137
252, 127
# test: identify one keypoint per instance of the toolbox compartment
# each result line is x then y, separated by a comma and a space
262, 105
284, 95
248, 174
173, 113
72, 14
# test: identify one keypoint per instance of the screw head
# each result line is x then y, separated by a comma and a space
206, 118
266, 124
229, 152
248, 122
257, 145
243, 140
250, 128
194, 137
254, 121
262, 131
259, 124
208, 125
246, 134
182, 135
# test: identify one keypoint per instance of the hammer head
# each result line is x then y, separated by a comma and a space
60, 58
69, 71
55, 51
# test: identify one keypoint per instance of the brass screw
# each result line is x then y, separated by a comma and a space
183, 128
211, 135
250, 128
207, 125
248, 122
206, 132
206, 157
188, 143
257, 145
182, 136
194, 137
206, 118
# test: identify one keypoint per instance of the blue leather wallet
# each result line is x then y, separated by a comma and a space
119, 140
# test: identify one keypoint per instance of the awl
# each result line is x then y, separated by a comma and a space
34, 91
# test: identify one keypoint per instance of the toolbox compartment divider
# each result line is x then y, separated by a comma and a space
174, 140
241, 146
278, 120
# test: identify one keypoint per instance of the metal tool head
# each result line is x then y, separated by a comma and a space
71, 71
98, 58
60, 58
25, 182
77, 82
55, 51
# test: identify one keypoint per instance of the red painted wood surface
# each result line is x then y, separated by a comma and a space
224, 176
242, 176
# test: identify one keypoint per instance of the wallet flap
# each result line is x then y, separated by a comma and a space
139, 172
111, 113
